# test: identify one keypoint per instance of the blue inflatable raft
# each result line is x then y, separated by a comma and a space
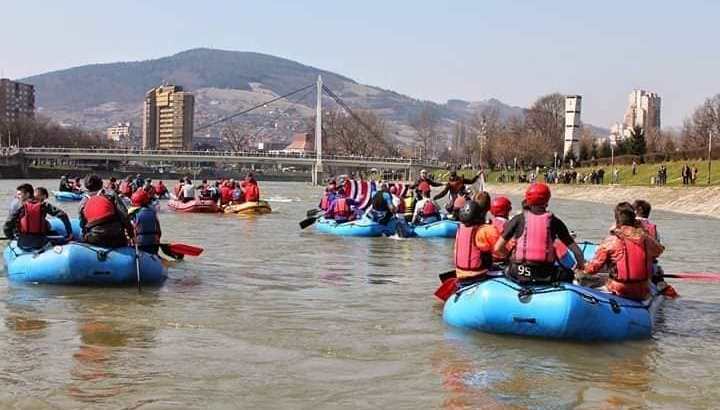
360, 227
81, 264
63, 196
562, 311
440, 229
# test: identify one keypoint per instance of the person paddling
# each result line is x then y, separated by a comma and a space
382, 208
341, 208
426, 211
642, 215
475, 241
145, 223
629, 251
534, 232
64, 184
28, 223
104, 219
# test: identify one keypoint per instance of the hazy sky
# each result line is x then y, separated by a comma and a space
513, 50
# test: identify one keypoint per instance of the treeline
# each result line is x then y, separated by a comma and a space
43, 132
535, 137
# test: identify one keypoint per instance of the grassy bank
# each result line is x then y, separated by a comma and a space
642, 178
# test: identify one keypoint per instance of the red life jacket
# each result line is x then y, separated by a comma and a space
469, 257
633, 265
98, 209
424, 186
499, 223
342, 208
325, 201
225, 194
252, 192
535, 244
160, 189
429, 209
126, 188
33, 219
650, 228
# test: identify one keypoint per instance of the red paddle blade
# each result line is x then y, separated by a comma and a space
447, 289
185, 249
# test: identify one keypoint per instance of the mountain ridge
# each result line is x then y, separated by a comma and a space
98, 95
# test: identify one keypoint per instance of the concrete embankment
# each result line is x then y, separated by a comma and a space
688, 200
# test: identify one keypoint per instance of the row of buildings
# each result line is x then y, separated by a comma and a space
643, 111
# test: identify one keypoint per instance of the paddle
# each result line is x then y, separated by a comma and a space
137, 263
312, 216
702, 276
448, 286
181, 249
308, 221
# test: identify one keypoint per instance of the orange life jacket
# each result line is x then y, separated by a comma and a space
33, 219
342, 208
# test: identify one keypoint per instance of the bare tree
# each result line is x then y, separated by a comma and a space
426, 124
486, 128
363, 134
705, 120
41, 131
546, 120
236, 137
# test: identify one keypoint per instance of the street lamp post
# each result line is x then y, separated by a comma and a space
515, 169
710, 136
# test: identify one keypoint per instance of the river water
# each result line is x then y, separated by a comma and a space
274, 317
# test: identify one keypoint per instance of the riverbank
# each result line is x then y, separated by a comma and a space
688, 200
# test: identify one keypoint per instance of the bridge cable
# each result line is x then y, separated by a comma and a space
229, 117
347, 109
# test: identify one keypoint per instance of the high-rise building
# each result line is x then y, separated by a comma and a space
168, 118
17, 100
573, 126
120, 132
643, 111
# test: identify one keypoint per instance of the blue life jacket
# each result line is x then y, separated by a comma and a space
147, 227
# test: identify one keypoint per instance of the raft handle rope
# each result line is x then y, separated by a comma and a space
613, 303
101, 255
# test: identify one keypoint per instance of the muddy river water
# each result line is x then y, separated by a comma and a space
274, 317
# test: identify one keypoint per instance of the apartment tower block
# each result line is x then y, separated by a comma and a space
573, 126
168, 119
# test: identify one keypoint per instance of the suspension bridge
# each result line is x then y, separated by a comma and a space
316, 161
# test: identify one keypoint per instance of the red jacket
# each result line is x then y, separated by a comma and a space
611, 250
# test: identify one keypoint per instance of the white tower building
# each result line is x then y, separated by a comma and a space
573, 104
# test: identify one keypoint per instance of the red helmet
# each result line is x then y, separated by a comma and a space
140, 198
537, 194
500, 206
